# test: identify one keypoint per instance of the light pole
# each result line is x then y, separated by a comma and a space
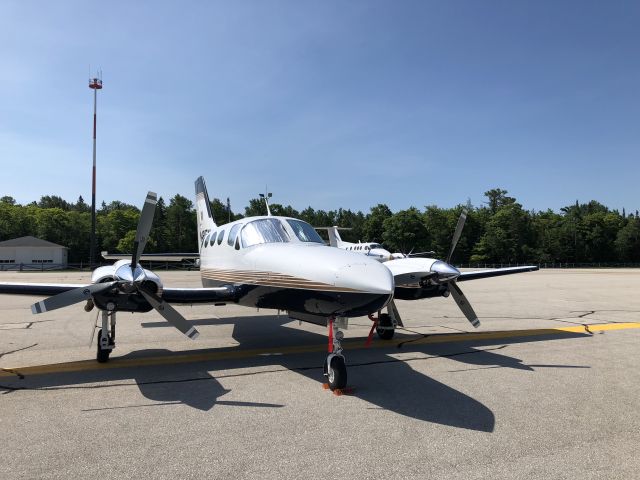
95, 84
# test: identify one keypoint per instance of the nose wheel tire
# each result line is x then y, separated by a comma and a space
385, 328
337, 373
103, 354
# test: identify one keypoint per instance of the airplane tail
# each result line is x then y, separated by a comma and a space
206, 223
334, 237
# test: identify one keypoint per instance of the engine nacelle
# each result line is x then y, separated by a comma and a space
124, 296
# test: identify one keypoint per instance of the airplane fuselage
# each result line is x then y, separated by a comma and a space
281, 263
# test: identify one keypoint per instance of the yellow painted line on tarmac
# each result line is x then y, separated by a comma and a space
226, 354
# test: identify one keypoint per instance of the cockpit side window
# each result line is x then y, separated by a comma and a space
265, 230
304, 231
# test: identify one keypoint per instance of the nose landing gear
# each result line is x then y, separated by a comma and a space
335, 368
106, 336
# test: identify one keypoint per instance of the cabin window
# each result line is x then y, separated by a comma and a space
213, 238
205, 241
304, 231
233, 233
265, 230
220, 237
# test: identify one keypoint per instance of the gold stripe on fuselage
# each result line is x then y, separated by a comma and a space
269, 279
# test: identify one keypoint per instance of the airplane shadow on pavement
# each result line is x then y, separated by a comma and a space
377, 377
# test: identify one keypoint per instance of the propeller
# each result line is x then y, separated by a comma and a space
129, 279
448, 274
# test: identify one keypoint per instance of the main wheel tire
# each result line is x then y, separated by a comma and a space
385, 328
337, 374
103, 355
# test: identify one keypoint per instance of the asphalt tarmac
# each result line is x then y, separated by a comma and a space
547, 387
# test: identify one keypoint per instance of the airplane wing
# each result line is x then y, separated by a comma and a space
153, 257
495, 272
410, 271
200, 295
169, 295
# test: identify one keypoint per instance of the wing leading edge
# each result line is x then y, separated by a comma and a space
170, 295
495, 272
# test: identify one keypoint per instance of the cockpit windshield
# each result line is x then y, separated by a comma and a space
265, 230
375, 245
304, 231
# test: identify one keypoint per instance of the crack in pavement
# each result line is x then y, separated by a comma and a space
2, 354
561, 319
29, 325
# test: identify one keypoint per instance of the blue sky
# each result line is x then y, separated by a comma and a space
331, 104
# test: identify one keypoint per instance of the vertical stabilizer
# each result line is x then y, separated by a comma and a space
204, 216
334, 237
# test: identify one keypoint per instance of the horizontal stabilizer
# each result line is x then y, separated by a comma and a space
153, 257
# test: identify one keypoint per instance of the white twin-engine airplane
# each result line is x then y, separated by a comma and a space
370, 249
266, 262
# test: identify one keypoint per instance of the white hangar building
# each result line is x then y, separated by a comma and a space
32, 251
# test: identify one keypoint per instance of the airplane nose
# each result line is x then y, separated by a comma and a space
444, 271
370, 277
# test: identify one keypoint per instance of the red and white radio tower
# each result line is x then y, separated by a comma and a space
95, 84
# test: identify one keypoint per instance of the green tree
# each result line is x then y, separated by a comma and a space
256, 208
373, 225
507, 237
81, 206
628, 241
405, 231
53, 201
181, 225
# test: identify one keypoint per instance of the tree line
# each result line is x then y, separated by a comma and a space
499, 231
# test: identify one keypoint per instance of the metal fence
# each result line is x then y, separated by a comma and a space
82, 267
190, 265
552, 265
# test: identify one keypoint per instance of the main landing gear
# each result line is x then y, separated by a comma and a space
385, 328
387, 322
335, 368
106, 336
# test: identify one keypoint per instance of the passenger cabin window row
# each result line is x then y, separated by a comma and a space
360, 247
264, 230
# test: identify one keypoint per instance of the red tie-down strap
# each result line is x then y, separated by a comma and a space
330, 348
373, 327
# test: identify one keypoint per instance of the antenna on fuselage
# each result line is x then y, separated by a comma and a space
267, 195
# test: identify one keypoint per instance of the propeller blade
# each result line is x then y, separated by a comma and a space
144, 227
170, 314
457, 233
70, 297
464, 304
